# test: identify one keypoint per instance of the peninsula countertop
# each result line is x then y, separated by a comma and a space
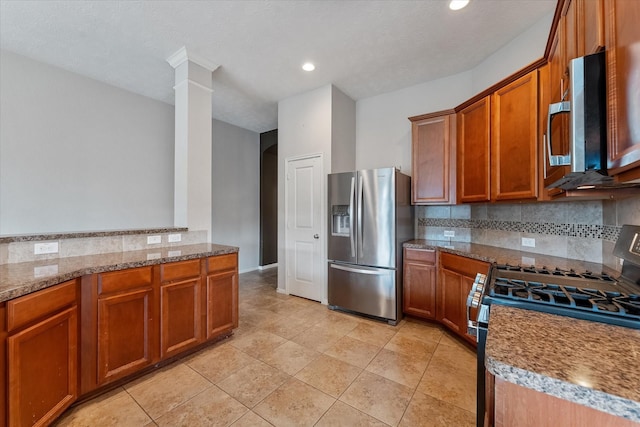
590, 363
23, 278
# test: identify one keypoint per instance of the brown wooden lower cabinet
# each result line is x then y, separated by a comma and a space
180, 316
419, 283
451, 311
441, 296
222, 295
52, 352
180, 301
126, 324
3, 362
42, 355
523, 407
455, 279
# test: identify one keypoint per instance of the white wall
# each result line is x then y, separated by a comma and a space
304, 127
236, 191
515, 55
383, 131
77, 154
343, 132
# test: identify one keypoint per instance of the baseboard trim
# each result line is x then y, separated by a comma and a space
267, 267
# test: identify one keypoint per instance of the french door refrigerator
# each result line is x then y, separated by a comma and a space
370, 216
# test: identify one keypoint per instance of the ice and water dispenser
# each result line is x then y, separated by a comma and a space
340, 220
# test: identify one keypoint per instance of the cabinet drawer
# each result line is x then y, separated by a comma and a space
179, 270
116, 281
222, 262
420, 255
29, 308
466, 266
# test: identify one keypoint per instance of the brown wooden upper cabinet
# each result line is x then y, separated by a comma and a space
514, 140
623, 87
498, 144
433, 150
474, 150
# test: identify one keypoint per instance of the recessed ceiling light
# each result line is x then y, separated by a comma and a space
308, 66
458, 4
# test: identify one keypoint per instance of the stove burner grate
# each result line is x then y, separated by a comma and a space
571, 297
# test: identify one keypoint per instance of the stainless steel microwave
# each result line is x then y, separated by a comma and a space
587, 109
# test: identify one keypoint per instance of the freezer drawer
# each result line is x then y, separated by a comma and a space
364, 290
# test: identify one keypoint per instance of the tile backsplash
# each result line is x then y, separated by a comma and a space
585, 230
23, 251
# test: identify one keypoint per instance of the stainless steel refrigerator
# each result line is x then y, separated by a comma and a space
370, 216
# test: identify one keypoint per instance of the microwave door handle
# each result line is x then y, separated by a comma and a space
352, 231
554, 109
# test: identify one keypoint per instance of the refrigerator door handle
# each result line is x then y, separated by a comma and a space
360, 209
352, 234
377, 272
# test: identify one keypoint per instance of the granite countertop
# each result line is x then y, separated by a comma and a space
79, 234
507, 256
26, 277
593, 364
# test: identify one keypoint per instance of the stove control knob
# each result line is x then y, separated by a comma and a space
474, 299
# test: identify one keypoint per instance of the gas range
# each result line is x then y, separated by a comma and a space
584, 295
587, 295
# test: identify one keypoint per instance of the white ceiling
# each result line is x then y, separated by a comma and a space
365, 48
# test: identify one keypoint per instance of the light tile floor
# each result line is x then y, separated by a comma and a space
293, 362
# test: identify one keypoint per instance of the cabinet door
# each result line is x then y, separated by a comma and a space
450, 295
42, 369
179, 316
125, 328
474, 141
514, 138
419, 287
467, 284
516, 405
221, 303
3, 363
573, 36
433, 160
623, 84
593, 25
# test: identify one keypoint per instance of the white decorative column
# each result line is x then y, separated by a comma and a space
193, 155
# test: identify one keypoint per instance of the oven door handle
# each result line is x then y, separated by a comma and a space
472, 325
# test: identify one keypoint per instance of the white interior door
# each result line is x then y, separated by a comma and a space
304, 228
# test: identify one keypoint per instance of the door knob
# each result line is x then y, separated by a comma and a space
315, 236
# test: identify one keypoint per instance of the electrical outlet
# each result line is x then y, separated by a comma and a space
153, 240
45, 248
155, 255
174, 253
174, 237
449, 233
529, 242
